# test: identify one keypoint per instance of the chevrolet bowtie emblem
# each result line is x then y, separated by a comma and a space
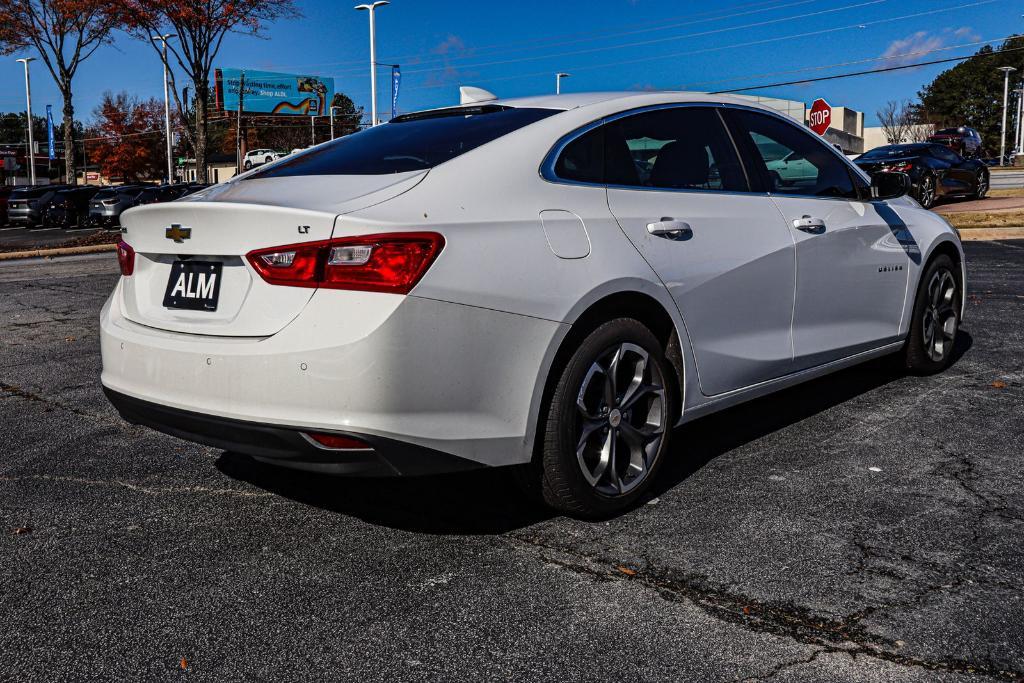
178, 233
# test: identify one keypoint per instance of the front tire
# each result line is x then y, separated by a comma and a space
608, 424
926, 192
247, 165
983, 184
936, 318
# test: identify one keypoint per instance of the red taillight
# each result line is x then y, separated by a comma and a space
125, 258
902, 167
337, 442
371, 263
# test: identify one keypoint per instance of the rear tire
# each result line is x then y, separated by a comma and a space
268, 160
247, 165
983, 184
936, 318
608, 425
926, 192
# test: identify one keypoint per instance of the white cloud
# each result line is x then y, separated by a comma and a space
908, 50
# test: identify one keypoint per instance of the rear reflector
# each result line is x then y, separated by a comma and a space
337, 442
125, 258
392, 262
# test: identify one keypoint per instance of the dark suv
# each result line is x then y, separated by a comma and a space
25, 205
963, 140
106, 206
69, 208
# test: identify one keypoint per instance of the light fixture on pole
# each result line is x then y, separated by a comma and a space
373, 56
167, 105
558, 82
31, 156
1006, 94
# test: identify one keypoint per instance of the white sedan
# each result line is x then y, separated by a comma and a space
552, 283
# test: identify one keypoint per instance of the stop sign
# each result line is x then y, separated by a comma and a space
820, 117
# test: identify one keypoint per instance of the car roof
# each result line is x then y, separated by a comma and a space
621, 99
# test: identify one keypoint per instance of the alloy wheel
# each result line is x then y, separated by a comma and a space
939, 320
622, 419
982, 186
927, 193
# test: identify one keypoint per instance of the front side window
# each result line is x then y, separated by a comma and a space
411, 142
789, 159
679, 148
945, 154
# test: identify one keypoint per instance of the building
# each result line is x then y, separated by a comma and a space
875, 136
846, 131
219, 167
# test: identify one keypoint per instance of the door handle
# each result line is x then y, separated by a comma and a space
671, 229
809, 224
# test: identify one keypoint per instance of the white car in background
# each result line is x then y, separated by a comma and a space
509, 283
258, 157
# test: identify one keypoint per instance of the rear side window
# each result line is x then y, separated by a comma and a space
674, 148
409, 143
789, 159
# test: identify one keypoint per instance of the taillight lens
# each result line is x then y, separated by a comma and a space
391, 263
900, 168
125, 258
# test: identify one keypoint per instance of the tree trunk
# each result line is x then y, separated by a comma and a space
202, 96
69, 135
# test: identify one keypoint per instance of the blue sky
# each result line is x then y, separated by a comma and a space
515, 48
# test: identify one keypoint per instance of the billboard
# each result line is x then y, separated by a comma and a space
267, 92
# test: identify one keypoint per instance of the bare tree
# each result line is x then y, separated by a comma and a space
200, 27
897, 119
65, 33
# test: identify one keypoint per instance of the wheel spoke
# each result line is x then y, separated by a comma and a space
949, 328
641, 391
613, 472
637, 380
589, 427
581, 398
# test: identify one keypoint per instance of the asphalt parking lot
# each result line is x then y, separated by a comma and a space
865, 526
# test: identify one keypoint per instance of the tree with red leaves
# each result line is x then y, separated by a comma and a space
131, 137
65, 33
200, 27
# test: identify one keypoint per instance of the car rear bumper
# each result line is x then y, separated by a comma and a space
444, 378
288, 447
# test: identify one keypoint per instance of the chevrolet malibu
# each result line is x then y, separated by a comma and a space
552, 283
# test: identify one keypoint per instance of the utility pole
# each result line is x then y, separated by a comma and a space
558, 82
373, 56
239, 147
1020, 119
167, 107
31, 156
1006, 94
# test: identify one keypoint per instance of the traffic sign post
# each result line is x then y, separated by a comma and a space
820, 117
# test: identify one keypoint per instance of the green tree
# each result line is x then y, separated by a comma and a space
971, 93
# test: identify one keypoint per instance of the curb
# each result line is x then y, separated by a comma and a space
972, 234
64, 251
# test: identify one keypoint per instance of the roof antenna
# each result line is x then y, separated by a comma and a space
469, 94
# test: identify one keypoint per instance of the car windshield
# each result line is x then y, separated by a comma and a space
891, 151
411, 142
31, 192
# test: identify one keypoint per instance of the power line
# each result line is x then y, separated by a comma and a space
869, 71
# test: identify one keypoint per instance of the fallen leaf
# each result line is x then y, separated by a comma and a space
999, 384
18, 531
69, 339
746, 610
184, 663
626, 570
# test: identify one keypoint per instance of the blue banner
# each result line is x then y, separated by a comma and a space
49, 131
267, 92
396, 81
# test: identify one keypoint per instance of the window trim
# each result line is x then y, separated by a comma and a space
547, 166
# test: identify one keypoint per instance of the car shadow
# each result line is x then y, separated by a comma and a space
488, 501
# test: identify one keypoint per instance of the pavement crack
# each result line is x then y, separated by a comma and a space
846, 634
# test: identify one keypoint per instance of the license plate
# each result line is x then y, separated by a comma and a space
193, 285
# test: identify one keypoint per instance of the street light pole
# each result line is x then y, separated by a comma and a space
558, 82
1020, 119
373, 56
1006, 94
167, 105
31, 156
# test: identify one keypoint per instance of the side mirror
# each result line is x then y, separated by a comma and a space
887, 185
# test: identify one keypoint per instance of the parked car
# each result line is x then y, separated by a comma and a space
106, 206
160, 193
258, 157
5, 194
963, 140
935, 170
25, 205
500, 283
69, 208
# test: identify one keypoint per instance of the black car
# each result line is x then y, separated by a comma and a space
69, 208
935, 170
963, 140
25, 205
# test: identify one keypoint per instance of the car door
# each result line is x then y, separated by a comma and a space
851, 253
959, 177
678, 191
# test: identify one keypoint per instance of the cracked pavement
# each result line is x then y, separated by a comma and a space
866, 526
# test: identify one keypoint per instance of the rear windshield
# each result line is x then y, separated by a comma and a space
894, 151
32, 192
411, 142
